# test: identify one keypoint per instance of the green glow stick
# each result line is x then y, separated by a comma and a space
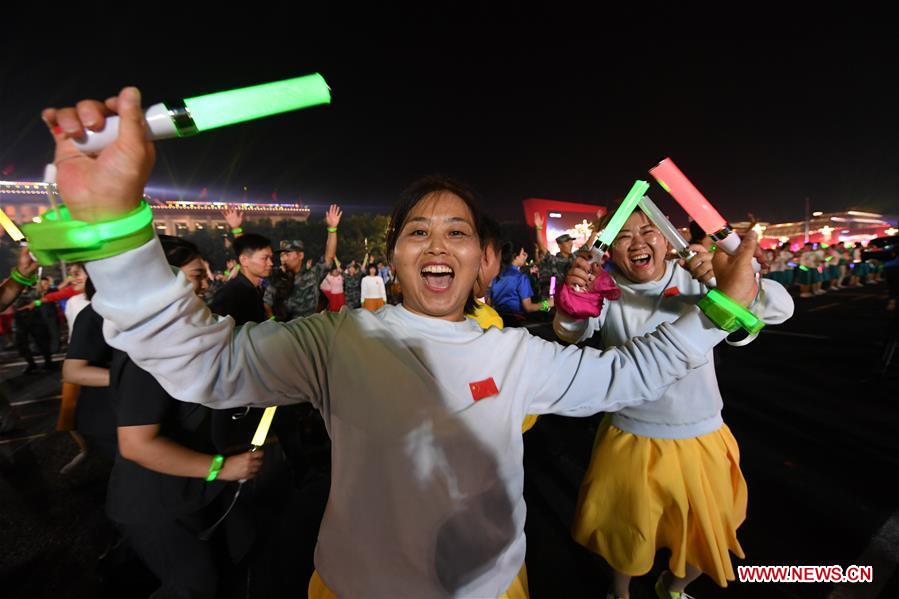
633, 197
190, 116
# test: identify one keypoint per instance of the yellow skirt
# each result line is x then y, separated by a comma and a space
642, 494
518, 590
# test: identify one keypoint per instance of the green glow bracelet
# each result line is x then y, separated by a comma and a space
37, 303
59, 237
544, 306
332, 229
21, 279
237, 231
215, 467
727, 314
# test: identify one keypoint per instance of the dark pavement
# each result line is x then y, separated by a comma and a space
816, 424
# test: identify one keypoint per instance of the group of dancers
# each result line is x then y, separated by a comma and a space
425, 401
819, 267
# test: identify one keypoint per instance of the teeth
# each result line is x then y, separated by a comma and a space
438, 269
641, 257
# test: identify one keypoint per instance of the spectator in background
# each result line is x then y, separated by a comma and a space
374, 295
352, 284
511, 293
293, 292
332, 287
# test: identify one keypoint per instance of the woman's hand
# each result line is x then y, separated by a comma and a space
110, 184
242, 466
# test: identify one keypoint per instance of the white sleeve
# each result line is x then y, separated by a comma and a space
381, 289
573, 330
580, 382
773, 304
155, 317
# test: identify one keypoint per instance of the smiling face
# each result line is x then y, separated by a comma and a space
195, 271
639, 250
79, 277
437, 256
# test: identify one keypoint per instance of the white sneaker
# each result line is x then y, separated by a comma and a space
74, 462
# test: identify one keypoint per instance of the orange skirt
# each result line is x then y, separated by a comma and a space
642, 494
373, 303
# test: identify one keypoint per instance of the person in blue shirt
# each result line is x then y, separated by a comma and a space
511, 292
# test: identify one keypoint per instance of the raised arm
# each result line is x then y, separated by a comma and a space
538, 229
153, 315
332, 218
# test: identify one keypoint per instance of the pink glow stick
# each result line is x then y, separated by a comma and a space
694, 203
691, 199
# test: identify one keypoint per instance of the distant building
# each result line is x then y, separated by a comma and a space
24, 201
851, 226
177, 217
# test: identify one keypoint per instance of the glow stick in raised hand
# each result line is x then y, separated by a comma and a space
182, 118
694, 203
669, 232
607, 236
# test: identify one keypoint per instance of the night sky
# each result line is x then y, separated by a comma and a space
758, 125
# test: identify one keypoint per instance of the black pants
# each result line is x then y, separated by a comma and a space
173, 551
31, 325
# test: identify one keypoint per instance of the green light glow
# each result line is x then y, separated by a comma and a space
608, 235
663, 185
803, 267
257, 101
748, 321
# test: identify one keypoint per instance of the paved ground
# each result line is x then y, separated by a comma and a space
817, 430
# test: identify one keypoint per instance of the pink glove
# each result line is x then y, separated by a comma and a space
584, 304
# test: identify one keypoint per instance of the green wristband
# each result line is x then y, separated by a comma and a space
544, 306
215, 467
59, 237
37, 303
727, 314
332, 229
237, 231
21, 279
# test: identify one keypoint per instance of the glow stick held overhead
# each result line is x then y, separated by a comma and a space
182, 118
669, 232
697, 206
607, 236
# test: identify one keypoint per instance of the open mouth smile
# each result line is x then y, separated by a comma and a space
437, 277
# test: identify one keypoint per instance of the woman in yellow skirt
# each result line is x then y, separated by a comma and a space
665, 474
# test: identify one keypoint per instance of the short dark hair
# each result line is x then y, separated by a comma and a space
491, 233
178, 251
249, 243
509, 253
696, 232
419, 190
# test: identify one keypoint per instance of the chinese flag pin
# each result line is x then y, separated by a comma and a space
671, 292
482, 389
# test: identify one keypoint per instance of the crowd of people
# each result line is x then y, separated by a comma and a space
416, 367
817, 268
